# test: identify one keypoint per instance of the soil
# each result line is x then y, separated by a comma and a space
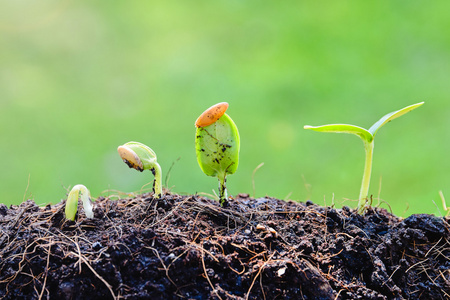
188, 247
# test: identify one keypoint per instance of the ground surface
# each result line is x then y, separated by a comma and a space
187, 247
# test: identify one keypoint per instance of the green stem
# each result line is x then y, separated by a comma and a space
157, 184
366, 177
223, 190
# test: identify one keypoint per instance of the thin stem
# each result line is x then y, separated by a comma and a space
157, 184
366, 177
223, 197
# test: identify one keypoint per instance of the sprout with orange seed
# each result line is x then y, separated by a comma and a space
217, 146
141, 157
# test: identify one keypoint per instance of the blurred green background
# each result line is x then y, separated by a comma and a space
79, 78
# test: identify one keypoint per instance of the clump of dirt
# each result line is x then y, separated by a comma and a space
188, 247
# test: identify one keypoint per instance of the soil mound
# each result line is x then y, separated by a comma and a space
188, 247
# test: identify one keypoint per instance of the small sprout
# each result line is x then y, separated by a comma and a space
217, 145
444, 204
72, 202
367, 137
141, 157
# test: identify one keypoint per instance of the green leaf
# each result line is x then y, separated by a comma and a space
365, 135
391, 116
217, 147
72, 204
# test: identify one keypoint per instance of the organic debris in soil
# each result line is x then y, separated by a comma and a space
188, 247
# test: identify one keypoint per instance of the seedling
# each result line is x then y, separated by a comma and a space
444, 204
72, 202
217, 146
367, 137
141, 157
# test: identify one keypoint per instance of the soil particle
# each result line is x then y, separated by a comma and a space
188, 247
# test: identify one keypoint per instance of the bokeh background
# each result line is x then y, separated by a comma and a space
79, 78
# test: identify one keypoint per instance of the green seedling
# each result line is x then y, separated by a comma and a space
72, 202
141, 157
217, 146
367, 137
444, 204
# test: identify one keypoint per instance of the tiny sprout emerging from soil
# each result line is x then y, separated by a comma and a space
444, 204
217, 145
367, 137
72, 202
141, 157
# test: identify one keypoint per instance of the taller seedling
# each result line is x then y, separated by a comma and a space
217, 146
367, 137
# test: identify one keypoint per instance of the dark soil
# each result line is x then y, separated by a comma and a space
188, 247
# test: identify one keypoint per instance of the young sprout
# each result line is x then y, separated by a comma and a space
367, 137
72, 202
217, 146
444, 204
141, 157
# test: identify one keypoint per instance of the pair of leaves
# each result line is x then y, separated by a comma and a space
366, 135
